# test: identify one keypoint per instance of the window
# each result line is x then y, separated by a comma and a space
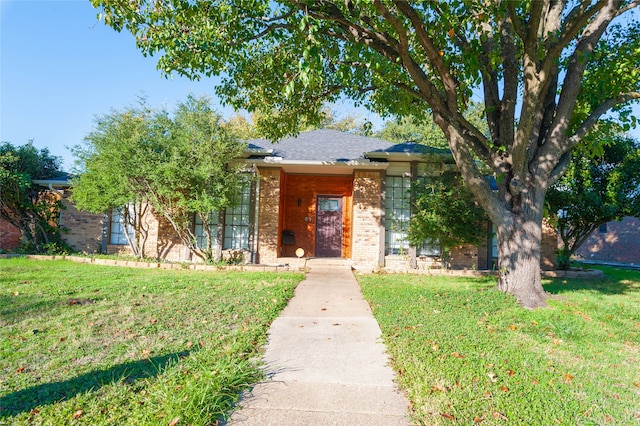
328, 204
397, 217
429, 249
236, 221
118, 226
199, 230
397, 214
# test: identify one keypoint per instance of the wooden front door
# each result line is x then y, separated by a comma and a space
328, 226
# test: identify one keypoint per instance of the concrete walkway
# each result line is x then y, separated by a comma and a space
325, 361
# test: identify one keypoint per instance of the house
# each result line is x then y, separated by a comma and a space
613, 242
328, 193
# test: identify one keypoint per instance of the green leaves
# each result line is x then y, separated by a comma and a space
29, 207
446, 213
180, 163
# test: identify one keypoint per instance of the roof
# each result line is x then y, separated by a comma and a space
400, 151
330, 146
321, 145
62, 181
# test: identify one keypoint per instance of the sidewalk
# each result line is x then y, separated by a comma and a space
325, 362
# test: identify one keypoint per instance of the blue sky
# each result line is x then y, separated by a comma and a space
60, 68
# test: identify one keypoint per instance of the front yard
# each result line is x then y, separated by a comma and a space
468, 354
92, 344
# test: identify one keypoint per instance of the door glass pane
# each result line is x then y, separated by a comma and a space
329, 205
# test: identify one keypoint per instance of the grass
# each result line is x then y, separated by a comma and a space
89, 344
466, 353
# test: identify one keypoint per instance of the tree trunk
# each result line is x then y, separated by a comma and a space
519, 260
516, 209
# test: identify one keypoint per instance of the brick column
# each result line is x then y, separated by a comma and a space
268, 215
368, 226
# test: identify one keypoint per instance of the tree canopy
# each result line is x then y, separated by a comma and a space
547, 71
181, 164
31, 208
594, 191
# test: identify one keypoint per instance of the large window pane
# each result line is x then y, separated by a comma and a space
397, 217
119, 227
236, 221
200, 230
397, 214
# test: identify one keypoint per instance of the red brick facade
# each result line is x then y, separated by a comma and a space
89, 233
619, 242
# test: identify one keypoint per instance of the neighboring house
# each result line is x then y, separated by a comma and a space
330, 193
617, 242
10, 236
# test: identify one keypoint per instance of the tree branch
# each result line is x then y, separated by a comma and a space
560, 168
261, 34
511, 73
575, 21
449, 83
517, 25
628, 7
557, 136
590, 121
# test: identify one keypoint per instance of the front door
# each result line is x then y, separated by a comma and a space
328, 226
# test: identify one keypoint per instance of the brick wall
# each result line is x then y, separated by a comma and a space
549, 247
152, 224
463, 257
620, 243
81, 230
168, 245
268, 215
368, 229
9, 236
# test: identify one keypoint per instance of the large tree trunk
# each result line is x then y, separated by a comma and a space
519, 261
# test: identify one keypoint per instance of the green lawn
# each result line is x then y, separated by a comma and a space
468, 354
89, 344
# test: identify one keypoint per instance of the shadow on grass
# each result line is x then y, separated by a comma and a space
14, 309
616, 281
26, 400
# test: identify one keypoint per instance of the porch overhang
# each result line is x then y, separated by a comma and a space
318, 167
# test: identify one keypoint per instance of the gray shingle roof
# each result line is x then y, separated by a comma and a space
322, 145
412, 148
